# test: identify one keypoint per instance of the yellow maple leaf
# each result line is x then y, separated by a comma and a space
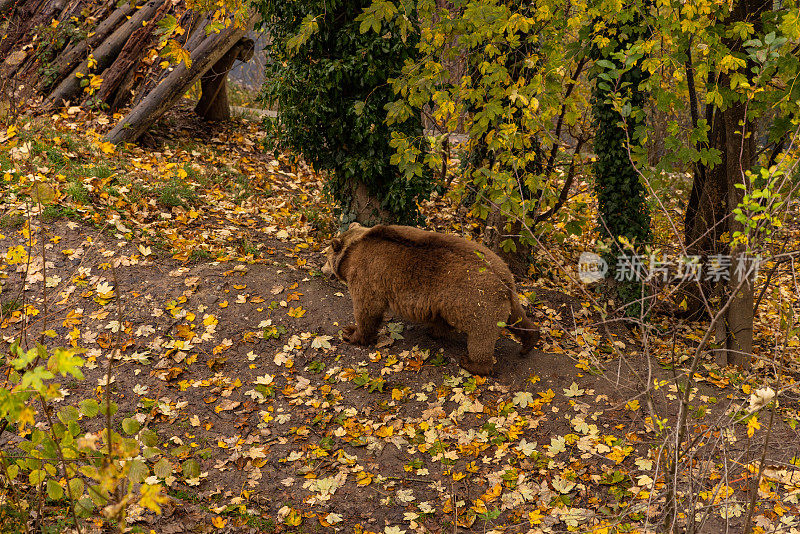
26, 416
752, 426
152, 497
479, 506
385, 431
16, 254
73, 318
219, 522
294, 518
296, 312
535, 517
364, 479
107, 148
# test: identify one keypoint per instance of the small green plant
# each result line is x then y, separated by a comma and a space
52, 212
8, 307
191, 172
100, 171
55, 156
248, 248
323, 223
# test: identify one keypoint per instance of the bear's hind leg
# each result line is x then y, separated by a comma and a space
480, 358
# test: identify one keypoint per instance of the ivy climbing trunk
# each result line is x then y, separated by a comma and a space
623, 212
507, 226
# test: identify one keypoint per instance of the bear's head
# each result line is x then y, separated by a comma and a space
338, 246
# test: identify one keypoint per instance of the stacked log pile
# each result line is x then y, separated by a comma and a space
113, 55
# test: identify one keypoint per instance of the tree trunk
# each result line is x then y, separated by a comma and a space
69, 58
131, 53
518, 260
713, 197
104, 55
739, 318
213, 104
176, 84
365, 208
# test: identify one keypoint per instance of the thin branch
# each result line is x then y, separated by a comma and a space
564, 190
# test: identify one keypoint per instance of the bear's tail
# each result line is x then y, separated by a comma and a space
521, 325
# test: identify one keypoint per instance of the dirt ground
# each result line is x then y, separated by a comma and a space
237, 364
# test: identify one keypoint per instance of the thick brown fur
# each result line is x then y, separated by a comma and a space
427, 277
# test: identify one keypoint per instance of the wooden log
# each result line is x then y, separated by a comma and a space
22, 34
131, 53
27, 15
174, 86
76, 52
104, 55
213, 104
189, 42
125, 90
45, 50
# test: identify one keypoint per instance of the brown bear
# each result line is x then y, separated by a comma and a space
427, 277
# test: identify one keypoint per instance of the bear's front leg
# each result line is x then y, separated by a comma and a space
369, 317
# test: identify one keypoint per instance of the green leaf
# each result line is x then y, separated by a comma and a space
162, 469
138, 471
36, 477
130, 426
54, 490
13, 471
89, 407
148, 437
76, 486
191, 468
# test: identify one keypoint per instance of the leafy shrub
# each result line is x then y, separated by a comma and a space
75, 469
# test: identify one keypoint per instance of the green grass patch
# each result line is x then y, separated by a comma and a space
77, 192
12, 220
176, 193
199, 254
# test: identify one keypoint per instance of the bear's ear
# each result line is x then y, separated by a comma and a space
336, 244
353, 225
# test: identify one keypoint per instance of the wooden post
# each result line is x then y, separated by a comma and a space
213, 104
